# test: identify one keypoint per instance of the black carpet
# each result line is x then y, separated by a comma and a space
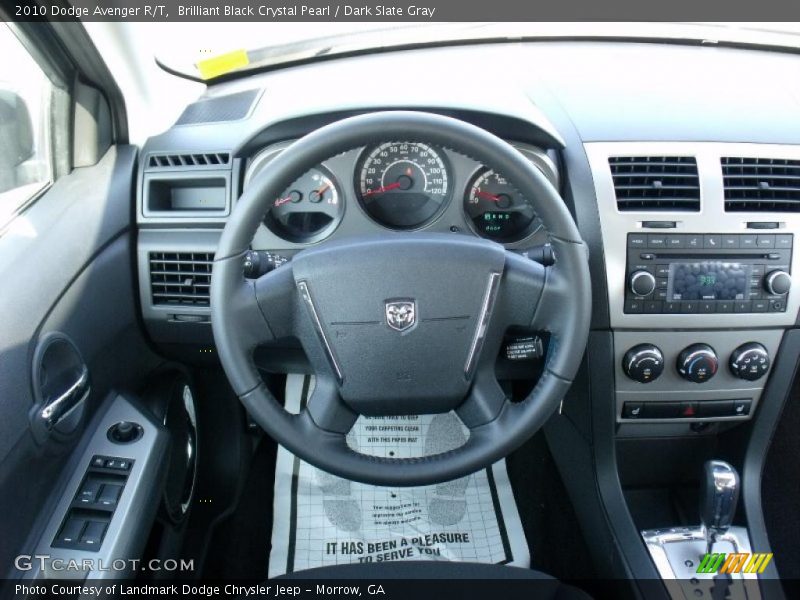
780, 490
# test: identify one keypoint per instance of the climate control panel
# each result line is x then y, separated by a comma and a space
683, 375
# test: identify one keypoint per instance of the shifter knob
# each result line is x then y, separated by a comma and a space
718, 498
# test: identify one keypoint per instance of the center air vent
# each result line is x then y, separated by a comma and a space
656, 183
215, 160
180, 278
761, 184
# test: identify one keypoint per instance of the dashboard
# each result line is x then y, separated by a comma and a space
397, 186
689, 211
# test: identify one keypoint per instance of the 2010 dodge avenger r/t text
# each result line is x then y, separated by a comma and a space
332, 300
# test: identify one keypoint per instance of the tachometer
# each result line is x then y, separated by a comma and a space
308, 210
498, 211
402, 185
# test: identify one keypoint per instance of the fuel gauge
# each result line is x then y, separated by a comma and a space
308, 210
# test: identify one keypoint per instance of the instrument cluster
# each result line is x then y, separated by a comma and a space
403, 186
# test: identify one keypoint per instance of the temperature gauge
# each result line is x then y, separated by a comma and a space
308, 210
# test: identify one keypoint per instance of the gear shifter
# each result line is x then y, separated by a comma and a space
719, 496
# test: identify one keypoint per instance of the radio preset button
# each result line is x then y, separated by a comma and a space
672, 307
652, 307
741, 306
725, 307
707, 306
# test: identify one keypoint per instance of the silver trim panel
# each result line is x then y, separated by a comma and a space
305, 294
483, 323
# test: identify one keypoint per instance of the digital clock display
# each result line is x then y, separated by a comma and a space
708, 280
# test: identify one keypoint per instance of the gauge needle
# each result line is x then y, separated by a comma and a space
281, 201
383, 189
323, 189
488, 196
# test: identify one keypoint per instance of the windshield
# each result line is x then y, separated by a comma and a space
208, 50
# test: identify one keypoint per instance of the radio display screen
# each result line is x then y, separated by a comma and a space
709, 280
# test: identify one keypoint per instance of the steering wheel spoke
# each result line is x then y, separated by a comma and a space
485, 400
327, 409
276, 295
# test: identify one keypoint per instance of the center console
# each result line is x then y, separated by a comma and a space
700, 246
699, 242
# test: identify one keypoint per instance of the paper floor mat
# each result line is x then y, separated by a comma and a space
320, 519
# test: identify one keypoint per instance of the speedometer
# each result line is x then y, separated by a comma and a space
402, 185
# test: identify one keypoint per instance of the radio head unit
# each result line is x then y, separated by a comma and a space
707, 273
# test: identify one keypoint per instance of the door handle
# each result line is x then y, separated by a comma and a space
61, 385
55, 409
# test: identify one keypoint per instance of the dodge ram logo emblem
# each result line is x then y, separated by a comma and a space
401, 314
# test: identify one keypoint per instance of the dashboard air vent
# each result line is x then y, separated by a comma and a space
182, 161
656, 183
180, 278
761, 184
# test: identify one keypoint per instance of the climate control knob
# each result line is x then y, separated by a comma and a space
642, 283
778, 283
698, 363
643, 363
749, 361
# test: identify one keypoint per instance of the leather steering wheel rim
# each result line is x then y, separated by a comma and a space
555, 299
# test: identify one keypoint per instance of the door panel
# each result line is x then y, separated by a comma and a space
65, 266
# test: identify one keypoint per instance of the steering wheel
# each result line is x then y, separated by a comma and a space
403, 323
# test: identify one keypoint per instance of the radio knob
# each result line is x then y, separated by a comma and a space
642, 283
643, 363
698, 363
778, 283
749, 361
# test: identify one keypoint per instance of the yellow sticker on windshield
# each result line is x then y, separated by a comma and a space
222, 64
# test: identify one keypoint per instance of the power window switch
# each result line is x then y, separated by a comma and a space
88, 492
71, 532
93, 535
109, 494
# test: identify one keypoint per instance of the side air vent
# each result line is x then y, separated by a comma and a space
181, 161
180, 278
761, 184
656, 183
